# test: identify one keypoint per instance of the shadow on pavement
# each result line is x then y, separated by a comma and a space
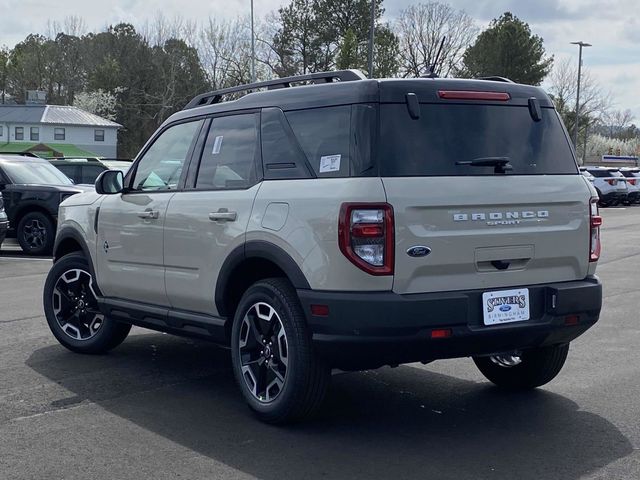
399, 423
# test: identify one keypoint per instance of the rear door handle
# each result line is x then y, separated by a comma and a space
149, 214
223, 215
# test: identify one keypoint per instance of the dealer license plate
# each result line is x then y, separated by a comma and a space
505, 306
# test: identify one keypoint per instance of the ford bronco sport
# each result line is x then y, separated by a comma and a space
345, 223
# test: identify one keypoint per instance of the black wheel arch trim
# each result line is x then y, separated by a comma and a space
67, 233
263, 250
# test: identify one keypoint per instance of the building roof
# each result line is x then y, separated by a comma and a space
52, 114
46, 149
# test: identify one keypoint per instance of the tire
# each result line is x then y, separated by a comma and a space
36, 233
71, 309
538, 367
295, 379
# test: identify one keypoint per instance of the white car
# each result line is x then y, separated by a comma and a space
610, 184
633, 184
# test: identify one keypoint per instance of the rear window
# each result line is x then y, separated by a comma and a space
449, 133
630, 174
600, 173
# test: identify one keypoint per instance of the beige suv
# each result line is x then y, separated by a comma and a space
330, 221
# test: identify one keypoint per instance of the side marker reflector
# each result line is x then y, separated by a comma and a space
441, 333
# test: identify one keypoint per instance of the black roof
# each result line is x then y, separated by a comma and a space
361, 91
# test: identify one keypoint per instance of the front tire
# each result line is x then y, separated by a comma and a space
280, 376
71, 308
36, 233
538, 366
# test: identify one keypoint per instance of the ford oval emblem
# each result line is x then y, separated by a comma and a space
505, 308
418, 251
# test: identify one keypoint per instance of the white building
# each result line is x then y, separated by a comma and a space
54, 130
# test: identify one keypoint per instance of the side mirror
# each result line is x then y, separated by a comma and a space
110, 182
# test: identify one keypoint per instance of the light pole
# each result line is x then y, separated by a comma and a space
575, 124
253, 48
371, 36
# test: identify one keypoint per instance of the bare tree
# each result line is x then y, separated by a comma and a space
422, 27
161, 29
72, 25
616, 121
225, 51
595, 102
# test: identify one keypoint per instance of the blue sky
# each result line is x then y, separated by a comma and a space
612, 26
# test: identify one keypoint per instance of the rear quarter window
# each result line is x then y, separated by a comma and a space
448, 133
337, 141
324, 134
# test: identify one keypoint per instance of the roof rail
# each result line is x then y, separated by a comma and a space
214, 97
20, 154
495, 78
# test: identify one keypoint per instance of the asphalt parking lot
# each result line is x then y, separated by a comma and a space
164, 407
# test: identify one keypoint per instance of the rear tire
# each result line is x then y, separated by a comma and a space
71, 309
281, 377
538, 367
36, 233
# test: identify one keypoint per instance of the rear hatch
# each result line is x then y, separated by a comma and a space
523, 223
621, 181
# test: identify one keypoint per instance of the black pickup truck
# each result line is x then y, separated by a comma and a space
32, 190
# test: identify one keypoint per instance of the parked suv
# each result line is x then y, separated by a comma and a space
610, 185
632, 175
85, 170
32, 189
4, 221
346, 224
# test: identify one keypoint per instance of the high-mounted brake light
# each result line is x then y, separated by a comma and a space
595, 221
366, 236
471, 95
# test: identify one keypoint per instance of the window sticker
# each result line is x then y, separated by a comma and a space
217, 145
330, 163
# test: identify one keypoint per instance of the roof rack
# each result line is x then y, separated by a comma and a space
495, 78
214, 97
20, 154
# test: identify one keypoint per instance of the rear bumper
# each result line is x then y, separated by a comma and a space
633, 196
614, 197
368, 330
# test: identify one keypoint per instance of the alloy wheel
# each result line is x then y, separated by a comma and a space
264, 352
35, 234
75, 305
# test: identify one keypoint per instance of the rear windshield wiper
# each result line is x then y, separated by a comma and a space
500, 164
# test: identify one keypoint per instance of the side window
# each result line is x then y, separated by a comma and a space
230, 153
69, 171
324, 135
161, 165
282, 157
90, 173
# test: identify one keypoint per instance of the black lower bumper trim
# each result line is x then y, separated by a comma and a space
4, 228
371, 329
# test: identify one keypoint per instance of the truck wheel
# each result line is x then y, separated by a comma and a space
531, 369
280, 376
71, 308
36, 233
